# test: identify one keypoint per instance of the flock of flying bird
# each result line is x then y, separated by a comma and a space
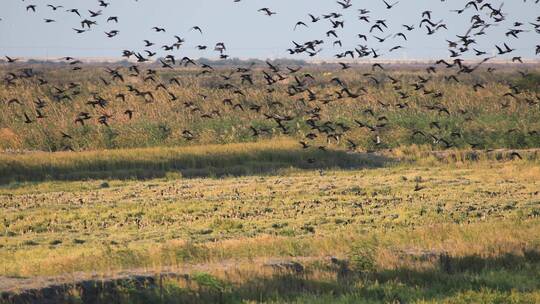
485, 16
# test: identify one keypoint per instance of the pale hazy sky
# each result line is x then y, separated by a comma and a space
246, 32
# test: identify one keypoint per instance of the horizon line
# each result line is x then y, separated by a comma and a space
109, 59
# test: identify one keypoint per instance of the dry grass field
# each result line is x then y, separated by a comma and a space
405, 225
431, 197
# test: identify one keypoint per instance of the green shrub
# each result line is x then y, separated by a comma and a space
363, 256
208, 281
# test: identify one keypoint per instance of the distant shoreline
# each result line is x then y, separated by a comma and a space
233, 61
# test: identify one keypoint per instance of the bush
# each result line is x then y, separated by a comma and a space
363, 256
208, 281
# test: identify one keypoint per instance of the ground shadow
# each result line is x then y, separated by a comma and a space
320, 282
189, 166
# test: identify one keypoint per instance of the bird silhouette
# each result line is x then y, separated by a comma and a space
267, 11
